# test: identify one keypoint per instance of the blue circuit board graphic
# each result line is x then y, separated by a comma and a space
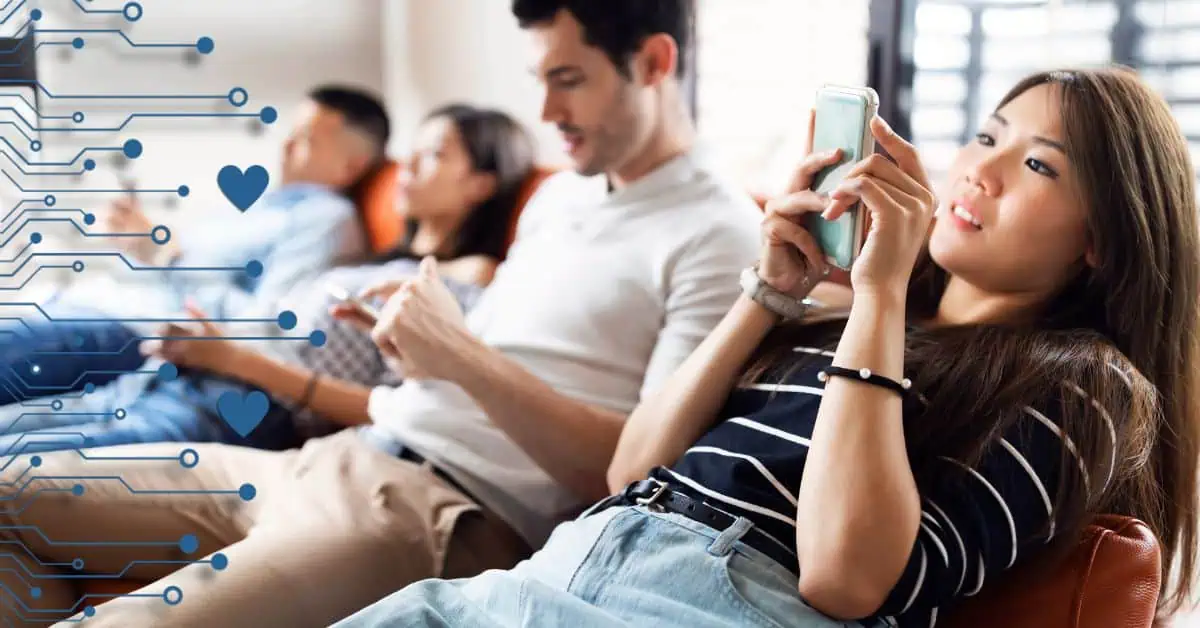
45, 196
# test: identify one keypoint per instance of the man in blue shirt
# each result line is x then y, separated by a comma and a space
305, 226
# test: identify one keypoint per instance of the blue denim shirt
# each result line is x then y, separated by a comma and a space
295, 232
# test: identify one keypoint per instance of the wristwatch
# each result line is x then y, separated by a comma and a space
776, 302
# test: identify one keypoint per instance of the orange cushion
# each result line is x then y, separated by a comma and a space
377, 206
536, 178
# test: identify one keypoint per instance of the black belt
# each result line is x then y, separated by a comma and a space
406, 453
657, 495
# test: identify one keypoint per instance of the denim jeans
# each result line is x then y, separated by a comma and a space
68, 355
138, 409
618, 567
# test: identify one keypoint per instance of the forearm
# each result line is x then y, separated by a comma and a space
858, 507
334, 399
570, 440
671, 420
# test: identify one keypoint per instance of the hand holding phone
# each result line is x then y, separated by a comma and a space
843, 116
341, 294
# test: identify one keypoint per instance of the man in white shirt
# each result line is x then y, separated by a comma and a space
508, 418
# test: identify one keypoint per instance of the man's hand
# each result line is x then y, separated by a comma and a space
125, 216
422, 326
198, 344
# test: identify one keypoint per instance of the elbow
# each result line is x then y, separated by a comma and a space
591, 490
618, 477
841, 593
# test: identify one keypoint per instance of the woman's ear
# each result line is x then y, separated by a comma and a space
1090, 258
481, 186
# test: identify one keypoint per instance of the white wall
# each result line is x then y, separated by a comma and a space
459, 50
275, 49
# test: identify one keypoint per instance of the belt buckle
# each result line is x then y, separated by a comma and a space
651, 502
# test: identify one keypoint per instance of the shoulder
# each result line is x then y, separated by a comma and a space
558, 193
312, 207
1096, 407
716, 218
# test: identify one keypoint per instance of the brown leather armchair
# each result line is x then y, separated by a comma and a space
1111, 579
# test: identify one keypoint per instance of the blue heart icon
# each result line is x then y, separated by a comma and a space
243, 414
243, 189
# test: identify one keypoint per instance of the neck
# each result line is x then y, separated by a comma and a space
672, 135
434, 235
966, 304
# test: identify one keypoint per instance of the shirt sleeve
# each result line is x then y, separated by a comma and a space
309, 246
979, 521
702, 287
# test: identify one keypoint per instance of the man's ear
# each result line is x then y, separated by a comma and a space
658, 58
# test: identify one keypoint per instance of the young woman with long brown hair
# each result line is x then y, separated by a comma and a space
1001, 377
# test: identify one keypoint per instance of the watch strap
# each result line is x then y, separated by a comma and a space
776, 302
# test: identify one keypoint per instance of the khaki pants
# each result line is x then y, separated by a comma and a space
332, 528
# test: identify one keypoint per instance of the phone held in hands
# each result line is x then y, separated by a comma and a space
343, 295
843, 116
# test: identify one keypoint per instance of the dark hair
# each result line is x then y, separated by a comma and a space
1124, 333
364, 113
498, 145
619, 27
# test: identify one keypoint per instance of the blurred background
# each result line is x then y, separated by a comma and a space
938, 65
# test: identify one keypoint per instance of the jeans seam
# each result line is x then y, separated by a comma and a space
592, 550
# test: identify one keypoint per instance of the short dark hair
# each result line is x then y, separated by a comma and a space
362, 111
619, 27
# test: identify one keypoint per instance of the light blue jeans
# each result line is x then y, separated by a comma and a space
622, 566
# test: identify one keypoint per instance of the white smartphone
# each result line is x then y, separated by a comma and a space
843, 116
343, 295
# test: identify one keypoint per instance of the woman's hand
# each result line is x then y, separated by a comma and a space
355, 317
419, 318
198, 344
901, 205
792, 262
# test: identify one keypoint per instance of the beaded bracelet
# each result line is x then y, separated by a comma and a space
867, 377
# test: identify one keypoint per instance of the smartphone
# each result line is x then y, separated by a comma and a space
343, 295
843, 116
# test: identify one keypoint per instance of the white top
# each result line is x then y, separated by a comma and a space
602, 296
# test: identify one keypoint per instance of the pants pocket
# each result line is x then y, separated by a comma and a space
771, 601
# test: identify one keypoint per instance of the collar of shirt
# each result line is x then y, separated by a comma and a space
675, 171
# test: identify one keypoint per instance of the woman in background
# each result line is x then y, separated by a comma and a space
1000, 379
458, 192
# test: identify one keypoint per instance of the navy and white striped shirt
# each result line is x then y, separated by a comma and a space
973, 525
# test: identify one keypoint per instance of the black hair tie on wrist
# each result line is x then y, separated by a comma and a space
867, 377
